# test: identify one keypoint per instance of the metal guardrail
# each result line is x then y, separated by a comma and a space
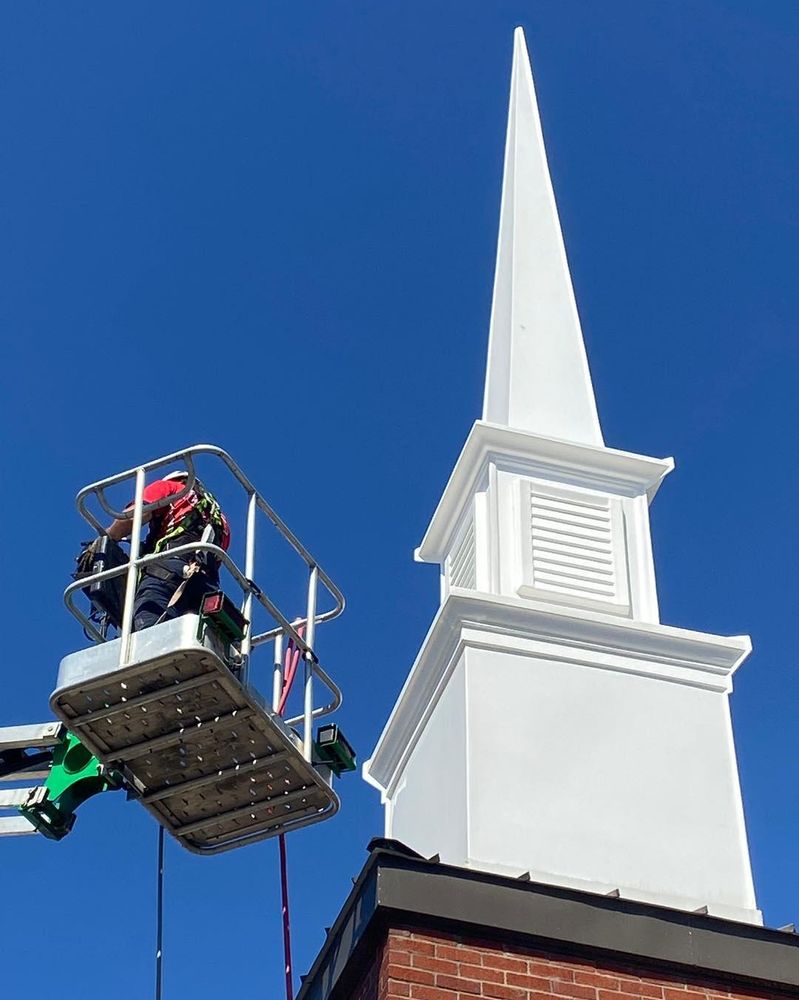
284, 630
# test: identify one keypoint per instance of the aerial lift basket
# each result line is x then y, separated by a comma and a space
173, 709
202, 751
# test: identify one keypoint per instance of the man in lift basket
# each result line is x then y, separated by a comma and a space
175, 585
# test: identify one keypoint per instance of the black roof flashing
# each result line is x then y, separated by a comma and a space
397, 887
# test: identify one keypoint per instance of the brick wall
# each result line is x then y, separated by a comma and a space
415, 966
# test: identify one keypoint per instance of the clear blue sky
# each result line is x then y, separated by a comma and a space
272, 225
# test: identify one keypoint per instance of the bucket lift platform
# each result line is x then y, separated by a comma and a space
173, 709
202, 752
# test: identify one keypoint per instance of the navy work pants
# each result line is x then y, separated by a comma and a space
154, 594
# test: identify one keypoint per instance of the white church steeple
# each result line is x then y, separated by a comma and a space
551, 724
537, 378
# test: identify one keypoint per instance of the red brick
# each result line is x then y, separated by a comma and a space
435, 965
550, 970
405, 974
430, 993
505, 962
417, 946
438, 966
641, 989
467, 986
483, 973
596, 978
573, 990
399, 956
504, 992
528, 982
456, 953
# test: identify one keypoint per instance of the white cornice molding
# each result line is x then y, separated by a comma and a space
597, 467
483, 621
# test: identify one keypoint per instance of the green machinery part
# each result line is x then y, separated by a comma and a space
75, 776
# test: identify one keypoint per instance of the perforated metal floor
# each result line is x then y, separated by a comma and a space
215, 766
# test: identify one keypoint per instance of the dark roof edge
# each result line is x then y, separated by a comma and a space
398, 886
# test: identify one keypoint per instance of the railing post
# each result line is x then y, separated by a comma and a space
277, 676
249, 572
133, 571
307, 730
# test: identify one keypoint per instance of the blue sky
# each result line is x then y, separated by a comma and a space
272, 226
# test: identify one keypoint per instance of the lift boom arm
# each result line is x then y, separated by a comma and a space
71, 775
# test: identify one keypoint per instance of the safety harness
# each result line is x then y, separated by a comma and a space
195, 517
190, 516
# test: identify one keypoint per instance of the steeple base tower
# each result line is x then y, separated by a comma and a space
552, 728
550, 725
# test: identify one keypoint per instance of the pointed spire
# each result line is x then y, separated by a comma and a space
537, 378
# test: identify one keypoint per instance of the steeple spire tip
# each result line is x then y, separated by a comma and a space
537, 377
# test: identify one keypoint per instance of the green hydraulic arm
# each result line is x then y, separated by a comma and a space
71, 776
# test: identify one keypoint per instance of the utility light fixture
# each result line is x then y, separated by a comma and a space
221, 614
332, 748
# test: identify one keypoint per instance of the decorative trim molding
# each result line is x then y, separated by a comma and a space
521, 627
590, 466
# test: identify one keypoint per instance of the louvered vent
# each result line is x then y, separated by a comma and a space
461, 561
575, 543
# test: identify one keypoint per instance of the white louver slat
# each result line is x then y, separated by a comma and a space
461, 562
574, 547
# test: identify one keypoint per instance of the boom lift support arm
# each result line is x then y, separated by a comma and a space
70, 773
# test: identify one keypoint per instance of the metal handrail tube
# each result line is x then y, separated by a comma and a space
98, 489
295, 720
283, 630
186, 456
332, 589
277, 673
292, 628
307, 729
132, 573
235, 572
249, 572
331, 707
262, 637
295, 820
86, 623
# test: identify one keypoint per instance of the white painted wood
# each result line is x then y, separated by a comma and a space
462, 560
598, 753
618, 472
572, 547
482, 535
640, 562
538, 377
640, 797
551, 723
694, 659
419, 794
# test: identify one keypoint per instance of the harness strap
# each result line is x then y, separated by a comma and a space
206, 511
188, 573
